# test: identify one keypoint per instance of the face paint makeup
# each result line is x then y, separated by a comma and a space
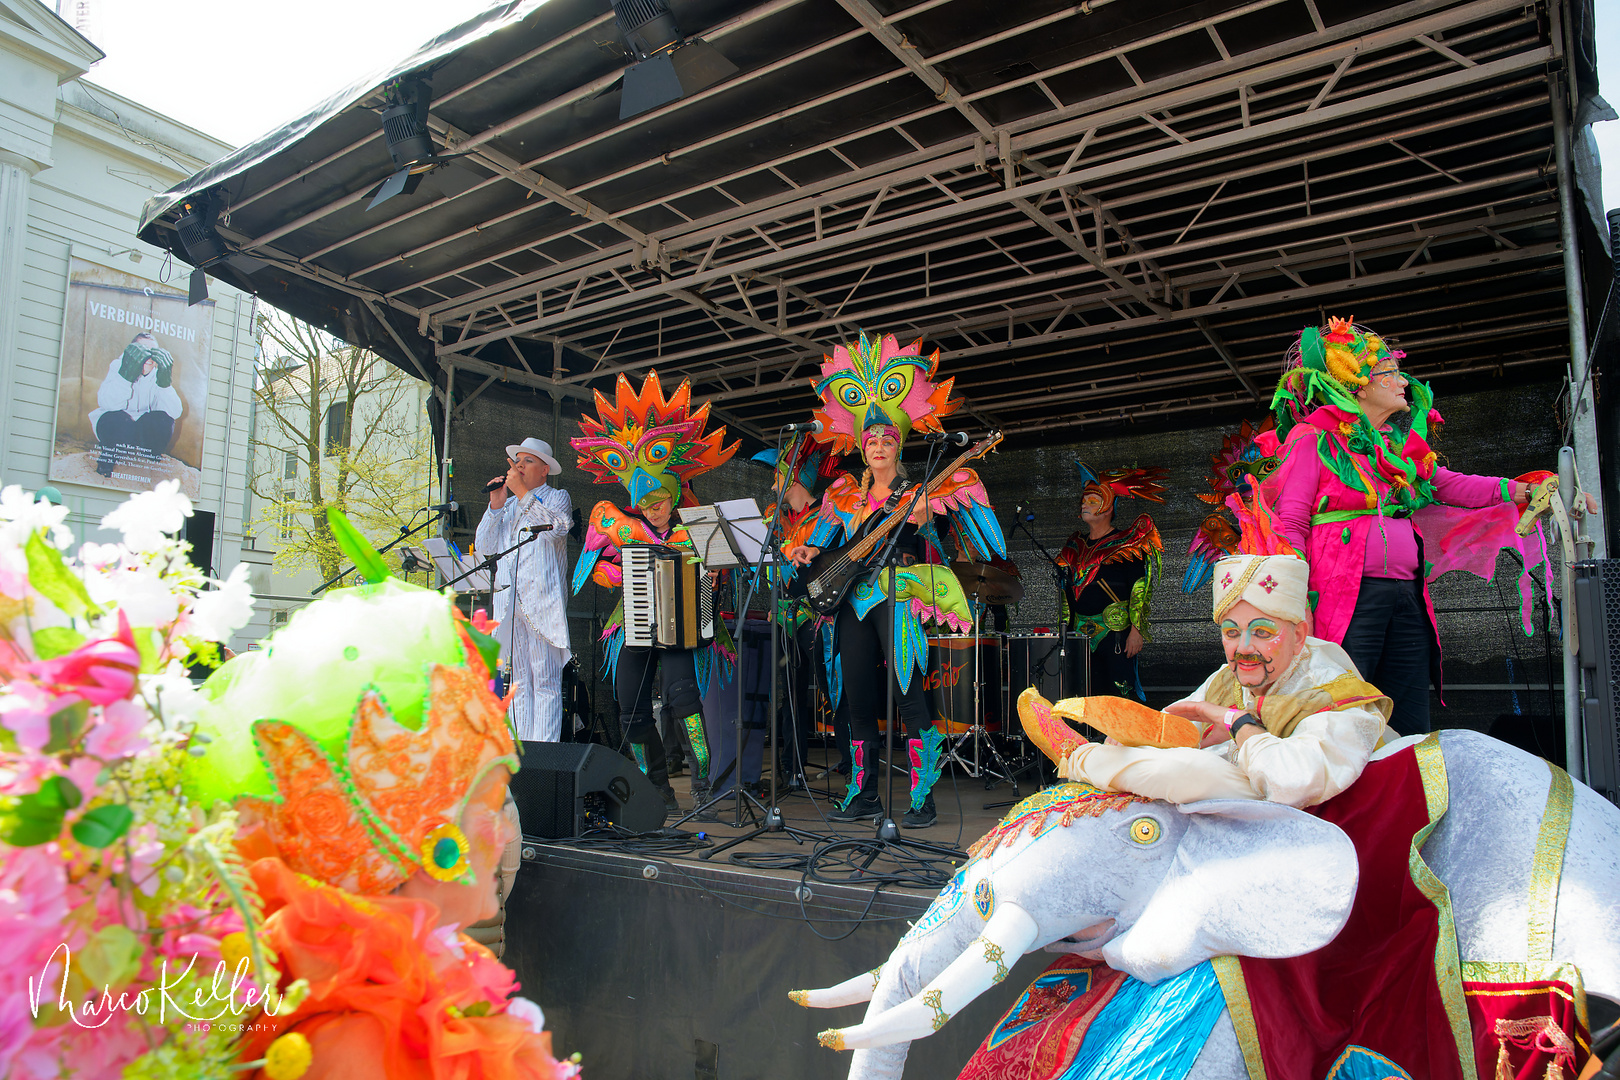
1254, 650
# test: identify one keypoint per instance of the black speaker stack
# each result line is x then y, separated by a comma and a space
563, 789
1597, 612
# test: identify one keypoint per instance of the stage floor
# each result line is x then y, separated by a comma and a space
658, 964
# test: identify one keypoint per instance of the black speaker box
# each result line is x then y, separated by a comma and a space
560, 784
1597, 611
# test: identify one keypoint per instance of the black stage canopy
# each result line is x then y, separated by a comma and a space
1104, 211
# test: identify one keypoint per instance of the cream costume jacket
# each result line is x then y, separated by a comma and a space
1322, 724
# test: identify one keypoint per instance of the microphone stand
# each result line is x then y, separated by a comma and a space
440, 511
773, 814
491, 564
888, 833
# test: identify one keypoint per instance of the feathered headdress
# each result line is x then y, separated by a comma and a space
650, 444
1326, 366
874, 383
1245, 455
1130, 483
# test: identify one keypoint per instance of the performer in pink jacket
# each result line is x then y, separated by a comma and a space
1359, 493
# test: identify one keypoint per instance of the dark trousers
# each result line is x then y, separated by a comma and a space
148, 435
1389, 639
1112, 672
798, 701
633, 683
865, 654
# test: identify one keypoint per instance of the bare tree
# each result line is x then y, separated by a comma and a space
338, 427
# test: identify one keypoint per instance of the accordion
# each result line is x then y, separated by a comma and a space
667, 598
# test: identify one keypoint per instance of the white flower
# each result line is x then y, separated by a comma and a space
140, 591
528, 1012
21, 515
219, 613
174, 700
147, 516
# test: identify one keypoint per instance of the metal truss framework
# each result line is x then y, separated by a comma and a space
1123, 225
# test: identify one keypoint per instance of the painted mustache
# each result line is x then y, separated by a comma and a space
1251, 658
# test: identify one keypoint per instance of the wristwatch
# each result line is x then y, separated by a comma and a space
1246, 718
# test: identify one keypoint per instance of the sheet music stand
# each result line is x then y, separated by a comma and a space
726, 534
453, 566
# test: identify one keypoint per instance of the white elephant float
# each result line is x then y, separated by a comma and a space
1154, 889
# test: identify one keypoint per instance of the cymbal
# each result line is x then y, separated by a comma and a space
988, 584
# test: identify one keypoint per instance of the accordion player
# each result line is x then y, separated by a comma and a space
668, 601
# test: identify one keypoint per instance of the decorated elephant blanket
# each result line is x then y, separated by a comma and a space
1389, 998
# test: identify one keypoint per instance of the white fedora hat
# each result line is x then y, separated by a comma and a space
539, 448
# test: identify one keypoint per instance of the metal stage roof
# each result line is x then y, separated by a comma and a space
1116, 210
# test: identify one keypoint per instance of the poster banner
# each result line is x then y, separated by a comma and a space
132, 394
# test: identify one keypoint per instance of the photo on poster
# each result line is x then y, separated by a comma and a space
133, 386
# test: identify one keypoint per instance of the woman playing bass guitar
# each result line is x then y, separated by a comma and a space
873, 392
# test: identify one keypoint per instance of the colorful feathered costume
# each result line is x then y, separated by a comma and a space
1246, 453
871, 386
1357, 502
368, 761
654, 446
1111, 579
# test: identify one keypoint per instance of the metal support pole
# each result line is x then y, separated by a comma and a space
1574, 738
444, 461
1583, 415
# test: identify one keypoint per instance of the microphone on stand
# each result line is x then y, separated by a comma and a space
450, 507
536, 530
954, 438
1023, 513
814, 427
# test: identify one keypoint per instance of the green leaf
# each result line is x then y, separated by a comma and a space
357, 547
37, 819
103, 825
67, 725
54, 641
149, 644
49, 574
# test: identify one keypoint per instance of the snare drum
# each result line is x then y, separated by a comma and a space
1033, 660
955, 664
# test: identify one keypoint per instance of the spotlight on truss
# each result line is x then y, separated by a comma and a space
410, 144
667, 66
205, 249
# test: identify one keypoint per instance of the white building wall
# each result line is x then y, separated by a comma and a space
88, 159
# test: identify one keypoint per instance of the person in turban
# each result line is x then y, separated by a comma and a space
1287, 718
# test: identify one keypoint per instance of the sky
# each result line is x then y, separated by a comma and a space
248, 67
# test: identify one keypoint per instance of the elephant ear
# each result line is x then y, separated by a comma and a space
1249, 879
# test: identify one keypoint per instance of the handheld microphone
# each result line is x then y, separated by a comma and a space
954, 438
495, 485
814, 427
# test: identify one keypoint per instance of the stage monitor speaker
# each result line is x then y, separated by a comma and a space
563, 789
1597, 611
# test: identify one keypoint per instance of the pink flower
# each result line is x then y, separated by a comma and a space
118, 733
100, 672
27, 710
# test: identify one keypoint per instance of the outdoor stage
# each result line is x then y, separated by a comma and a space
660, 966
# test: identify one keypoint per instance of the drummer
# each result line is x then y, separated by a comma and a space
993, 580
1111, 576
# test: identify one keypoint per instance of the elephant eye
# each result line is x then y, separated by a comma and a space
1145, 830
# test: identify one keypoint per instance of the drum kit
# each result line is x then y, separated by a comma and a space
975, 679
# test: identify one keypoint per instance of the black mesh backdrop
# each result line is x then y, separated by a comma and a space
1492, 669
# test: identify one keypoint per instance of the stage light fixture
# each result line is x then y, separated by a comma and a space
197, 227
667, 67
410, 143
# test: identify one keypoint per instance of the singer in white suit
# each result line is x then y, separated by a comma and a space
534, 637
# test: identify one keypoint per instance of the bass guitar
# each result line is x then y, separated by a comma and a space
829, 576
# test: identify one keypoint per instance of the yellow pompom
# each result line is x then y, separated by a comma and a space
234, 948
288, 1057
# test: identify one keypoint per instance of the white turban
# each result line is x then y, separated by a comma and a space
1278, 585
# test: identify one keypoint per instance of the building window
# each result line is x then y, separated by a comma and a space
337, 427
289, 466
278, 618
284, 517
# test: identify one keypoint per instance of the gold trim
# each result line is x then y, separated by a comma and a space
832, 1039
799, 997
934, 999
1549, 864
993, 954
1512, 971
1431, 764
1235, 593
1229, 973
